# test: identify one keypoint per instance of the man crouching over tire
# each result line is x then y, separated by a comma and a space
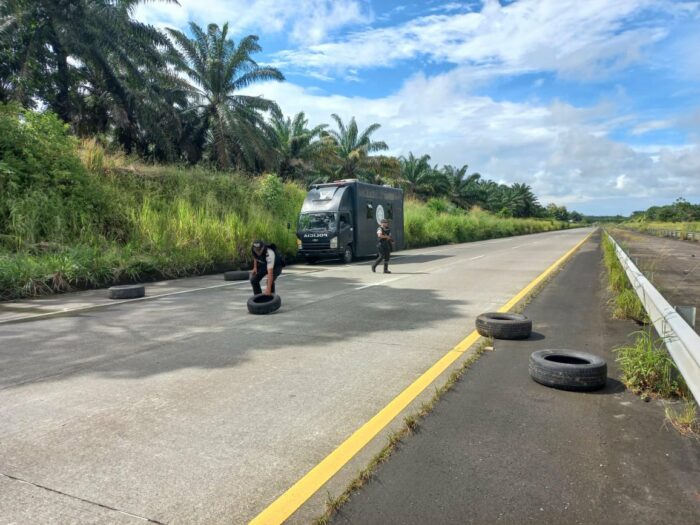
266, 261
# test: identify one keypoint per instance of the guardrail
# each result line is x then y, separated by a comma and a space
676, 234
680, 339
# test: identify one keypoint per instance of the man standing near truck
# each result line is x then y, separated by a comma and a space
384, 241
266, 261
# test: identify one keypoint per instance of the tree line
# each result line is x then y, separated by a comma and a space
167, 96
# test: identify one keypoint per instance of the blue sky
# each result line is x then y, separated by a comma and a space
594, 104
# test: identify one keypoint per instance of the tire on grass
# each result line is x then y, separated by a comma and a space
127, 291
236, 275
503, 325
264, 304
568, 370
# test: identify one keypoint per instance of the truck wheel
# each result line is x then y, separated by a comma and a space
264, 304
347, 255
311, 260
503, 326
568, 370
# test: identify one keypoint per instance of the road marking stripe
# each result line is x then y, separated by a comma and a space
117, 302
285, 505
477, 257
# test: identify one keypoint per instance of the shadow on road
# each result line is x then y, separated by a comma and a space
212, 329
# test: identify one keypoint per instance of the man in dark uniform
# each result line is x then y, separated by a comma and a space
266, 261
384, 241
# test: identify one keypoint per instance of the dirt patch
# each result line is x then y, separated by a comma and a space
672, 265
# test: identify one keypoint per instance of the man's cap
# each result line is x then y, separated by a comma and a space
257, 244
384, 221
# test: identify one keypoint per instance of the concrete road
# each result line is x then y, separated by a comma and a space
186, 409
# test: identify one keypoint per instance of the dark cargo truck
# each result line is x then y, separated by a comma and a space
340, 219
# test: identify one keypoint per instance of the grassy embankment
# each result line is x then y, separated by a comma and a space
646, 366
72, 216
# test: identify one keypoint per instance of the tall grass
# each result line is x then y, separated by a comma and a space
652, 226
158, 222
648, 369
626, 302
430, 225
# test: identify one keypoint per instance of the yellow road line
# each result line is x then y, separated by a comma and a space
284, 506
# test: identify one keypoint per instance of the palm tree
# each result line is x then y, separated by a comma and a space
59, 50
218, 70
463, 189
416, 175
352, 149
295, 144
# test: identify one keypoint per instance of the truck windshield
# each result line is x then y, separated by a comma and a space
318, 221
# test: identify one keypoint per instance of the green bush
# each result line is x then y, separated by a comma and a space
47, 193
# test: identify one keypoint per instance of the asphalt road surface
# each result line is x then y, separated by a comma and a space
500, 448
186, 409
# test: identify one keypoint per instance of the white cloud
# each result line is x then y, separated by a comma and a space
652, 125
563, 152
306, 21
574, 38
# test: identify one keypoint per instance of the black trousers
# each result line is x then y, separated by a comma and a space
383, 255
257, 277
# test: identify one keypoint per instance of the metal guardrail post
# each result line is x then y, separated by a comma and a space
682, 342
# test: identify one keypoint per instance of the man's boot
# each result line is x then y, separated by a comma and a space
386, 268
374, 266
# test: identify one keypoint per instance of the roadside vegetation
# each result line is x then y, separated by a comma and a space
626, 304
128, 153
646, 366
681, 216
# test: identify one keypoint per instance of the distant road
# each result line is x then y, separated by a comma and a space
186, 409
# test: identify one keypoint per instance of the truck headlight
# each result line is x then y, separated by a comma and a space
334, 242
299, 243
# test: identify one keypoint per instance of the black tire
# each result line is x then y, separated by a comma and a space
568, 370
127, 291
348, 255
503, 325
264, 304
237, 275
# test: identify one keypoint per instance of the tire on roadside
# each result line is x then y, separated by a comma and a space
236, 275
264, 304
127, 291
568, 370
503, 325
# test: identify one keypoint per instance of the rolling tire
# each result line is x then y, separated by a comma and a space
264, 304
568, 370
348, 255
127, 291
503, 325
237, 275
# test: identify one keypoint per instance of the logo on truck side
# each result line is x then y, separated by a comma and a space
309, 235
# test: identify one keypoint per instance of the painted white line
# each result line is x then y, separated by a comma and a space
378, 284
116, 303
477, 257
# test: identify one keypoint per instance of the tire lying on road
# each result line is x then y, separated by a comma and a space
127, 291
568, 370
264, 304
503, 326
237, 275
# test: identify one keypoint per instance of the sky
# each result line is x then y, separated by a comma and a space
595, 104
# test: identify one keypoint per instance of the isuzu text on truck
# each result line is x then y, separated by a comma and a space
340, 219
